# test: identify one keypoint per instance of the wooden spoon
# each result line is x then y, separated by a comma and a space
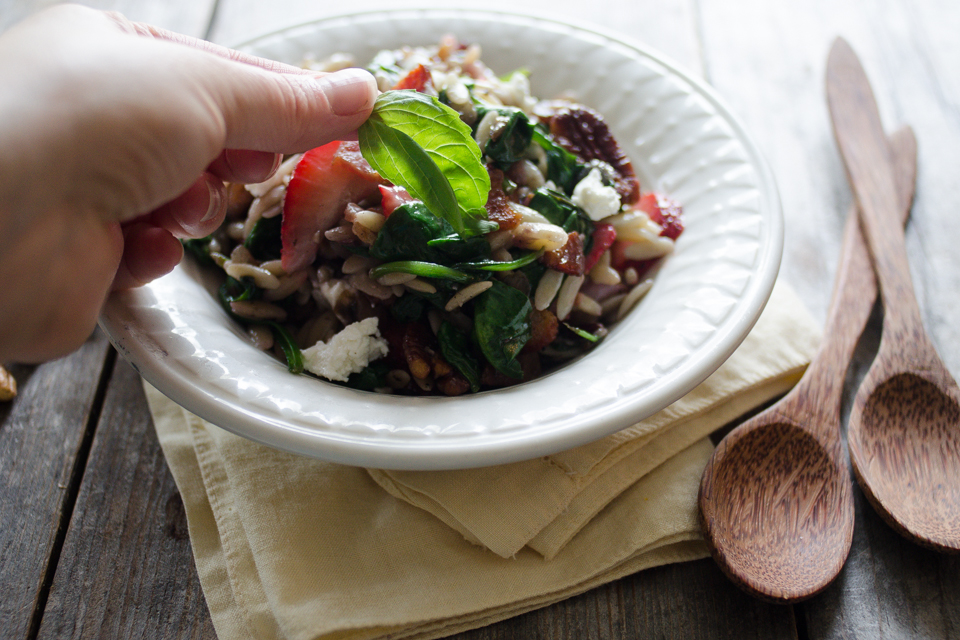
776, 506
904, 431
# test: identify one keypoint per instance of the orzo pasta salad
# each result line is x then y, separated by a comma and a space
473, 238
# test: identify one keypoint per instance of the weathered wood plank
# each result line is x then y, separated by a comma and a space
42, 433
768, 60
191, 18
692, 601
126, 570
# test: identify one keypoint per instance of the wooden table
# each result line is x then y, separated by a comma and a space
94, 541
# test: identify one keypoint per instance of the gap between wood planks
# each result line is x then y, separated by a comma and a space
71, 492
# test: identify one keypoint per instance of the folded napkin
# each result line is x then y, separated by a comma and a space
294, 548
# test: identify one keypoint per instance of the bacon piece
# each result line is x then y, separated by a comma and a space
498, 205
569, 258
416, 79
544, 326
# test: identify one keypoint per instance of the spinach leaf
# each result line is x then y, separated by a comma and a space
412, 232
512, 138
455, 347
563, 167
264, 239
233, 290
501, 325
494, 265
420, 269
289, 346
407, 308
415, 141
373, 376
561, 211
200, 249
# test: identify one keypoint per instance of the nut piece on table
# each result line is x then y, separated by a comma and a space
8, 385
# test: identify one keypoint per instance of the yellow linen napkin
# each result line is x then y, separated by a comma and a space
562, 492
294, 548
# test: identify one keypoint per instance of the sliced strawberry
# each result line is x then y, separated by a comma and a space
417, 79
665, 212
324, 181
603, 236
392, 197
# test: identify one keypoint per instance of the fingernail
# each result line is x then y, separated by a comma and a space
349, 91
217, 199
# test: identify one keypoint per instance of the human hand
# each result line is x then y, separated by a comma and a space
115, 140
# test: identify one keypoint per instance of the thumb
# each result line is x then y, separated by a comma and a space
265, 110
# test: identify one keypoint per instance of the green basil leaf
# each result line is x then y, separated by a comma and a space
417, 142
455, 347
501, 325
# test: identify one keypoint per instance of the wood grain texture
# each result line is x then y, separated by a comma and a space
42, 434
904, 431
766, 59
126, 570
689, 601
191, 18
775, 501
890, 588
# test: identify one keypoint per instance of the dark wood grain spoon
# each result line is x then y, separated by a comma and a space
775, 499
904, 430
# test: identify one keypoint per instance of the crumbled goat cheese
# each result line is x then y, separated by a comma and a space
349, 351
594, 197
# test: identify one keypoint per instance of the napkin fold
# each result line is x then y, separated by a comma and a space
293, 548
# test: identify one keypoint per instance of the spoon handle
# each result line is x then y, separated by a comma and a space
855, 289
866, 155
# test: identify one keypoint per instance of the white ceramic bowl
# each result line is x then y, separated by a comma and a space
683, 141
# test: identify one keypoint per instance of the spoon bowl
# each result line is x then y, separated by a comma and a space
780, 520
904, 431
903, 441
776, 506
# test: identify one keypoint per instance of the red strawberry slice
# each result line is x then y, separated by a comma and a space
603, 236
665, 212
392, 197
324, 181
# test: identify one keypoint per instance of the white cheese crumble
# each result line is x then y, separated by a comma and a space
349, 351
594, 197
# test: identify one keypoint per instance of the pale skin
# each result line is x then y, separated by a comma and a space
115, 141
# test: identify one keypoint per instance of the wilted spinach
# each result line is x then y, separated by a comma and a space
264, 239
561, 211
501, 325
511, 138
413, 232
563, 167
456, 349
